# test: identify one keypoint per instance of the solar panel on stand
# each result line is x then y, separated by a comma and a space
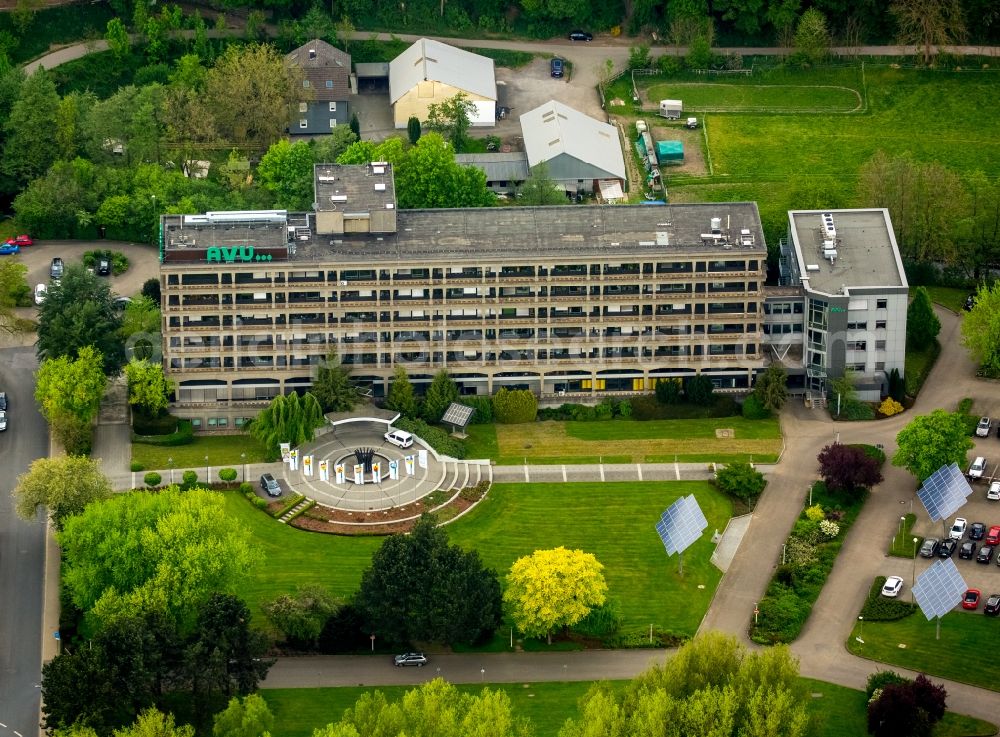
681, 524
944, 492
458, 415
939, 588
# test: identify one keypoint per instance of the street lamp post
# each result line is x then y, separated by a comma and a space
861, 625
243, 457
170, 465
208, 472
899, 531
913, 580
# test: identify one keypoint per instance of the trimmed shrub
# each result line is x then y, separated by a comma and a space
879, 608
135, 467
815, 513
246, 488
143, 424
882, 678
625, 409
668, 391
514, 406
260, 503
890, 407
189, 478
602, 621
438, 439
228, 475
152, 479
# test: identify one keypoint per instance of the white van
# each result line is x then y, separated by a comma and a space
399, 437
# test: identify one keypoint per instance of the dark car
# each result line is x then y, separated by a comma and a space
985, 554
977, 531
556, 67
270, 485
947, 548
967, 550
103, 267
970, 302
57, 268
992, 607
581, 36
417, 659
3, 400
930, 547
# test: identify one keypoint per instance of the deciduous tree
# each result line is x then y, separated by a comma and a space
246, 717
427, 176
154, 723
452, 118
909, 709
286, 170
847, 469
553, 588
288, 419
300, 616
78, 313
929, 23
28, 150
931, 441
69, 392
64, 484
14, 292
148, 387
922, 325
119, 42
420, 588
981, 329
540, 189
812, 37
139, 553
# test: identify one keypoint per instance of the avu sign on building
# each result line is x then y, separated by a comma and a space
236, 254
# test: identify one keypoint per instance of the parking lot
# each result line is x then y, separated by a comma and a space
977, 508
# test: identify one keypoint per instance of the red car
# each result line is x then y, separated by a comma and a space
21, 240
993, 536
971, 599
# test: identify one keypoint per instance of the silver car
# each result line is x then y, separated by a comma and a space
417, 659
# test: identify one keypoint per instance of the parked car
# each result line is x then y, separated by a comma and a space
3, 400
893, 585
103, 267
978, 468
966, 550
992, 607
399, 438
971, 599
930, 547
556, 67
3, 420
977, 531
985, 554
417, 659
993, 536
269, 484
40, 291
993, 493
970, 302
580, 36
947, 548
983, 428
21, 240
958, 529
57, 268
9, 249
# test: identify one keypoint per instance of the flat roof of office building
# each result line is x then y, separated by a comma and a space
858, 250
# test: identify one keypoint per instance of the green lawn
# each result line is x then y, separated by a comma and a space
287, 557
220, 449
737, 97
918, 366
841, 713
626, 441
951, 297
615, 522
965, 636
902, 545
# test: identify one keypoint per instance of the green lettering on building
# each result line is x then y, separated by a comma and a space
836, 309
242, 254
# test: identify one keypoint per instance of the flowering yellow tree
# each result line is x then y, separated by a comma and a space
553, 588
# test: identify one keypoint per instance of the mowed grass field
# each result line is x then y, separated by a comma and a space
616, 522
627, 441
699, 96
840, 711
910, 643
801, 160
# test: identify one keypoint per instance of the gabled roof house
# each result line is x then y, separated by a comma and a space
326, 88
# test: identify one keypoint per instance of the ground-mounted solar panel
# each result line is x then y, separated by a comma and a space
458, 415
944, 492
681, 524
939, 588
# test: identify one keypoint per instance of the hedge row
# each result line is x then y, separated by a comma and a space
183, 436
880, 608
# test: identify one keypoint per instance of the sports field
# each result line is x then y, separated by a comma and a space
770, 98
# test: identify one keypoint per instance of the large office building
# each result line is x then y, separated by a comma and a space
560, 300
841, 304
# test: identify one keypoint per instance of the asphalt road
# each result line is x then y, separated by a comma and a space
22, 551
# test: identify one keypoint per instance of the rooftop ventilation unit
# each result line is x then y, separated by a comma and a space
380, 186
812, 267
338, 198
716, 225
746, 237
378, 170
662, 238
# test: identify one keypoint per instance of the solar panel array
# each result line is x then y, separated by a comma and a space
944, 491
458, 414
939, 588
681, 524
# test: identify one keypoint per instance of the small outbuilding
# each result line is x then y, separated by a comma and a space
671, 109
670, 152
